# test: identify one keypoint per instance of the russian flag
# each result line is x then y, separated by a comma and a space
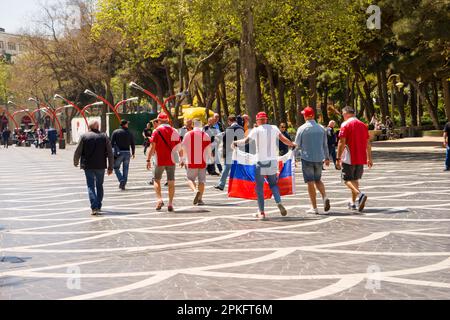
242, 177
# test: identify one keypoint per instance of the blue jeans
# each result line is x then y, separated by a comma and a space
332, 150
94, 181
224, 175
53, 146
272, 180
447, 158
125, 159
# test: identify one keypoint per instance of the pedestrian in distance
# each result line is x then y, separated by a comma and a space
284, 148
332, 141
312, 142
447, 145
52, 136
5, 137
92, 154
234, 132
146, 134
354, 152
122, 141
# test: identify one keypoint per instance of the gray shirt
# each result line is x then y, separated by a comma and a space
312, 142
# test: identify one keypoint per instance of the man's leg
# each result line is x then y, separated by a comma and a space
447, 159
224, 176
201, 189
191, 176
170, 170
126, 166
259, 179
312, 194
353, 188
90, 182
99, 179
117, 163
332, 150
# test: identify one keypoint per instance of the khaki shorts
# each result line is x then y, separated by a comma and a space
170, 170
193, 174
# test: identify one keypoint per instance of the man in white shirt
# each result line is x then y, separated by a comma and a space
266, 138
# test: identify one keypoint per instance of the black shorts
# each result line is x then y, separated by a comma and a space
352, 172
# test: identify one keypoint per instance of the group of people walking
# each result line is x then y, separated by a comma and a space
194, 147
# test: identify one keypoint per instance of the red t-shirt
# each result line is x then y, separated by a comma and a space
356, 136
195, 143
164, 154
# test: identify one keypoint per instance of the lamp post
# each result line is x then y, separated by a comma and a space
31, 115
134, 85
111, 107
116, 107
399, 85
53, 115
83, 111
71, 104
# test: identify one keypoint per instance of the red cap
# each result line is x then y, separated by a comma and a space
261, 115
308, 112
163, 116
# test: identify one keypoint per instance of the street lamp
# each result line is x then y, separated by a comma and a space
83, 111
30, 114
71, 104
125, 101
111, 107
399, 85
134, 85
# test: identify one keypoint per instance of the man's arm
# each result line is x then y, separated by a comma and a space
150, 155
326, 152
133, 145
340, 151
110, 156
445, 137
286, 141
369, 154
241, 142
78, 152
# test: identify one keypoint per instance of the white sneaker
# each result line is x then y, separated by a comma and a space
313, 211
326, 204
260, 215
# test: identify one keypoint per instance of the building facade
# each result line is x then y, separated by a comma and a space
10, 45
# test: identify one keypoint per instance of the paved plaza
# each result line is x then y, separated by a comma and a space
51, 248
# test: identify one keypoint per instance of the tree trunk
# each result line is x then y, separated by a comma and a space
281, 100
419, 106
273, 96
413, 106
298, 100
237, 103
312, 82
248, 63
324, 105
218, 103
401, 107
446, 95
432, 109
223, 96
382, 93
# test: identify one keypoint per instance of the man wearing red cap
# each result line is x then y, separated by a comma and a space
312, 141
266, 138
165, 142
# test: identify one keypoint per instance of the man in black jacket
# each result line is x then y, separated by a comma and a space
122, 140
232, 133
93, 149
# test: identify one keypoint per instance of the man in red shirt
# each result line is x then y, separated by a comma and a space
165, 142
197, 148
354, 151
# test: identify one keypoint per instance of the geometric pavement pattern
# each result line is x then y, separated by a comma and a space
51, 248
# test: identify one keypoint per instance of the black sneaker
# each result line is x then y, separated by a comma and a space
361, 202
218, 188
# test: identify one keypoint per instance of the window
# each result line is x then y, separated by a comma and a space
12, 46
2, 46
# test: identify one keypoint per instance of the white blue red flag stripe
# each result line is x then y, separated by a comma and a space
242, 177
